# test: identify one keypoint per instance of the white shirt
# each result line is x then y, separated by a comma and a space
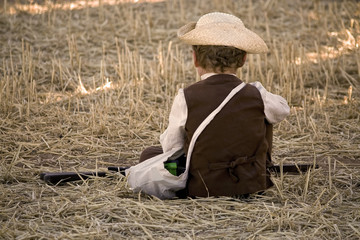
275, 108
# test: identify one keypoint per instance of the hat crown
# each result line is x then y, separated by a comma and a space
218, 18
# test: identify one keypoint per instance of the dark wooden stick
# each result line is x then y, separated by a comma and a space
292, 168
63, 177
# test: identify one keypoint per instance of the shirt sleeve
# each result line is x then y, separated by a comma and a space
275, 106
174, 135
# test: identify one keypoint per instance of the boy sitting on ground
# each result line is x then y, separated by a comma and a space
232, 154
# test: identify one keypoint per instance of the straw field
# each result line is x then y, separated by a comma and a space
88, 84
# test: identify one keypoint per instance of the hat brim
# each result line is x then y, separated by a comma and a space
222, 34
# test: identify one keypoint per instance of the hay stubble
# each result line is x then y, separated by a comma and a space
90, 87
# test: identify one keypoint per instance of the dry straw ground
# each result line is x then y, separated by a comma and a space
88, 84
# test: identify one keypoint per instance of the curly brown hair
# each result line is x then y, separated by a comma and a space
219, 58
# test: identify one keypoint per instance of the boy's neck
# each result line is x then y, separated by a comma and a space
203, 73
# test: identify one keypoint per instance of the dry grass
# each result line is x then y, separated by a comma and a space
89, 85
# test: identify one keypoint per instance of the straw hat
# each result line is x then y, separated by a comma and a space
222, 29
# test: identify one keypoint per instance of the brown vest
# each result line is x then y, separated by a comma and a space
231, 154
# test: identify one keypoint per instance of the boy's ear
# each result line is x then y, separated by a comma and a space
196, 63
244, 59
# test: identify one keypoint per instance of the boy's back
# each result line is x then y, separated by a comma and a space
230, 155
